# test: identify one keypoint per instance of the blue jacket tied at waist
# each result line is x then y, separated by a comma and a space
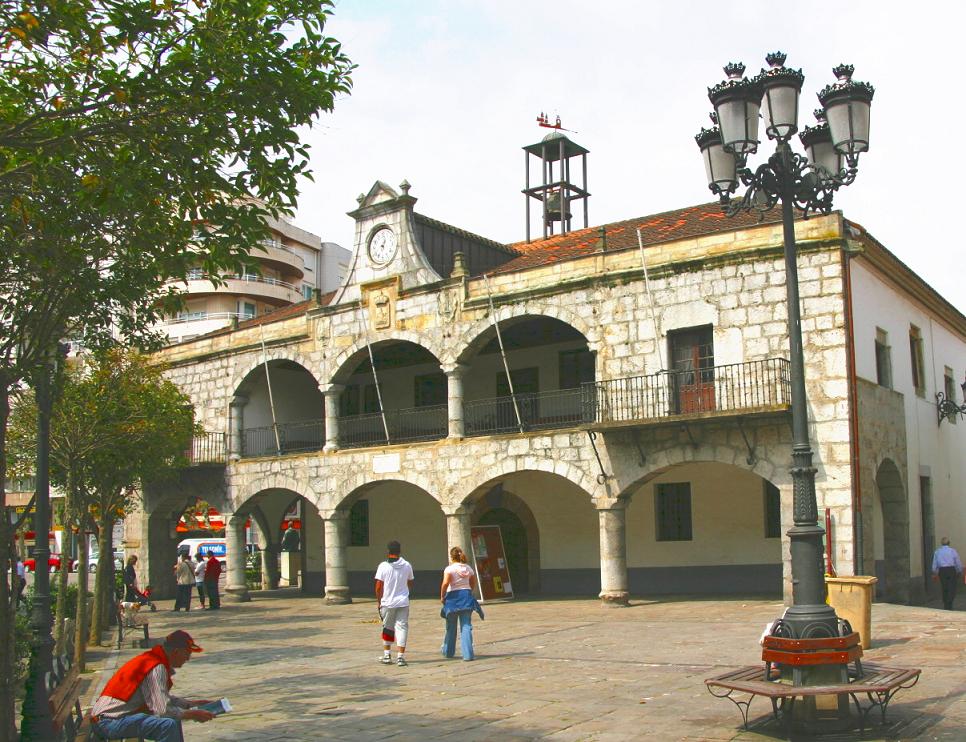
460, 601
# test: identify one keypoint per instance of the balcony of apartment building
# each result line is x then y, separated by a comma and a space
280, 257
277, 290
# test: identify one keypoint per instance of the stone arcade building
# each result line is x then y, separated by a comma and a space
642, 441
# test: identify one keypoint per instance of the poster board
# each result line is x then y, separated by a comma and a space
489, 560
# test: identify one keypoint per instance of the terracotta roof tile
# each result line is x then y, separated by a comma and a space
694, 221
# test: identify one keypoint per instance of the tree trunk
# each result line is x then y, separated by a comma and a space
8, 730
80, 629
60, 613
103, 579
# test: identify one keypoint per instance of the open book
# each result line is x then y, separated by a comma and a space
217, 707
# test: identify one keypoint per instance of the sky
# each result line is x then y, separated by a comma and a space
447, 93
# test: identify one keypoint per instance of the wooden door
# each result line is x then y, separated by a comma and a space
692, 371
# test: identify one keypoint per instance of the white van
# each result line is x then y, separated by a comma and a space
216, 546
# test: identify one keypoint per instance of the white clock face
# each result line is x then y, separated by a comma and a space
382, 246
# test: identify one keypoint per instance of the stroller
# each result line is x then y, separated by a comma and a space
141, 597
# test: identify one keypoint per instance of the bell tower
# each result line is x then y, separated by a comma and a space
556, 191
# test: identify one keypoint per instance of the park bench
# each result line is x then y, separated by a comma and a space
878, 684
131, 620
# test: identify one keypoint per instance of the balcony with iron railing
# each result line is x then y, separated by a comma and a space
283, 438
207, 448
266, 287
738, 389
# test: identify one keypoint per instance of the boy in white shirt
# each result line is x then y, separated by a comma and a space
394, 579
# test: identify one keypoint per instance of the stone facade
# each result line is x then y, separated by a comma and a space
731, 280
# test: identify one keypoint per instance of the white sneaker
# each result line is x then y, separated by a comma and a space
386, 659
401, 661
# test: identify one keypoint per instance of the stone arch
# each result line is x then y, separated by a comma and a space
338, 373
519, 508
352, 486
483, 477
272, 354
241, 498
894, 509
471, 338
661, 460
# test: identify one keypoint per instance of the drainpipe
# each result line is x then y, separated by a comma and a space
858, 557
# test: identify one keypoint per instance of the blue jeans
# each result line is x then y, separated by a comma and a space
158, 728
466, 635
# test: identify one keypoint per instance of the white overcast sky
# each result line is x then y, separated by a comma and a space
447, 92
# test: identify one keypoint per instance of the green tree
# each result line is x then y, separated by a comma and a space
139, 139
116, 423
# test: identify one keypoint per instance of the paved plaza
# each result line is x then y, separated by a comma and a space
561, 669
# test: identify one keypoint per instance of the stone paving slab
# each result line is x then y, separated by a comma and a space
566, 670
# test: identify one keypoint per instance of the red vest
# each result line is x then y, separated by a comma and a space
132, 674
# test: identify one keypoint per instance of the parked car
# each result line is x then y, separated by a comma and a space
53, 563
95, 555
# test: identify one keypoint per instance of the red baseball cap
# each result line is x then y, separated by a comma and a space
182, 640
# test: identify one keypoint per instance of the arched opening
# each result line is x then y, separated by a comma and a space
891, 529
389, 510
705, 528
412, 389
549, 530
298, 565
282, 410
550, 367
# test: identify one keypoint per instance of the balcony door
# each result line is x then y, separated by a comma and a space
692, 370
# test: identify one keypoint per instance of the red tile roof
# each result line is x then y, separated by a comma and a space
694, 221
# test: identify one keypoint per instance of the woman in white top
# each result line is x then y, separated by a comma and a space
200, 577
456, 595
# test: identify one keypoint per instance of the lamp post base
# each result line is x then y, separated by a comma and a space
811, 621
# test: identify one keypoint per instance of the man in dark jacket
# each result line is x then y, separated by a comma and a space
212, 574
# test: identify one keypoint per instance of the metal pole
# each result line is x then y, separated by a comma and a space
809, 615
526, 194
37, 721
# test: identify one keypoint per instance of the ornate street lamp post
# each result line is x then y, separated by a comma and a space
948, 408
833, 147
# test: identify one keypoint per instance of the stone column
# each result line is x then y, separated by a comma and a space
270, 566
454, 398
236, 436
613, 552
336, 568
458, 532
236, 590
332, 393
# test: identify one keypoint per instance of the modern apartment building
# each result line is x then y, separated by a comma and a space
293, 263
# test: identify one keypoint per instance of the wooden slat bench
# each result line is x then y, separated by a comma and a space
65, 708
878, 684
128, 621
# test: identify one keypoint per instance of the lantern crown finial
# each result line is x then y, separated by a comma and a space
734, 70
843, 72
776, 59
819, 114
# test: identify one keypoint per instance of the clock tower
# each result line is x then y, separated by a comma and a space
386, 257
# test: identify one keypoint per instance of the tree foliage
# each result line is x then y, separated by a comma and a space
140, 139
116, 423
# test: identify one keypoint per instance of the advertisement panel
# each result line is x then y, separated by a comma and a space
489, 560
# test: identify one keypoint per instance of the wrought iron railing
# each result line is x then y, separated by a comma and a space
732, 388
563, 408
735, 387
306, 435
405, 426
207, 448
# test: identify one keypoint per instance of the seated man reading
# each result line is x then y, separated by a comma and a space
137, 701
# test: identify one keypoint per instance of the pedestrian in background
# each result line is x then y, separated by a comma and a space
394, 580
21, 579
456, 595
200, 577
947, 567
212, 575
185, 577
